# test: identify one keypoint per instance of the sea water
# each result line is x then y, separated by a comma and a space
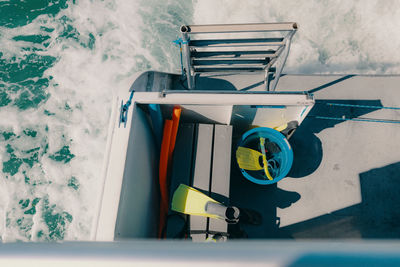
62, 60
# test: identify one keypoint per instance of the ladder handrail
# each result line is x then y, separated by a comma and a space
230, 28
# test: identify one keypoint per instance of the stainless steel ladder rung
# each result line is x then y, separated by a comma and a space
237, 42
230, 61
229, 68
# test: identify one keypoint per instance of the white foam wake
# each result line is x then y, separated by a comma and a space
358, 37
110, 41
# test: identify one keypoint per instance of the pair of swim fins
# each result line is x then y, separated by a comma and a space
249, 159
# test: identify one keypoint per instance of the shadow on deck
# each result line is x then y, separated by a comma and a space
307, 147
377, 216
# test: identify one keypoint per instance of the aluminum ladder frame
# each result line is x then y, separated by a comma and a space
242, 54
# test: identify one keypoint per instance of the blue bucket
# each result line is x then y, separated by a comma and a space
280, 156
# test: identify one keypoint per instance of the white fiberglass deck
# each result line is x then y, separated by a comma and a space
345, 181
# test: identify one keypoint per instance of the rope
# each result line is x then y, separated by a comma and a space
361, 106
128, 103
124, 110
179, 42
358, 119
355, 119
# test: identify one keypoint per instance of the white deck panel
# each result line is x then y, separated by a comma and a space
349, 149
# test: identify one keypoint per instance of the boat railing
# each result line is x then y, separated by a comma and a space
258, 47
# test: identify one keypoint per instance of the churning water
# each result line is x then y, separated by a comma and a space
61, 61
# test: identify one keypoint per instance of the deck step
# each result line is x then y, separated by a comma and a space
202, 159
221, 173
201, 176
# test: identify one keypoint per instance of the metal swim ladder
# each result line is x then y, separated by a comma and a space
233, 54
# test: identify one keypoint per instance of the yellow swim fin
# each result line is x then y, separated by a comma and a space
189, 200
248, 159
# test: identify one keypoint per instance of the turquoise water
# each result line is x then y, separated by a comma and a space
61, 61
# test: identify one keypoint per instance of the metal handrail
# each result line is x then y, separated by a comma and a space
231, 28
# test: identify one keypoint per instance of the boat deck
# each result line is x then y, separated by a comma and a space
345, 180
